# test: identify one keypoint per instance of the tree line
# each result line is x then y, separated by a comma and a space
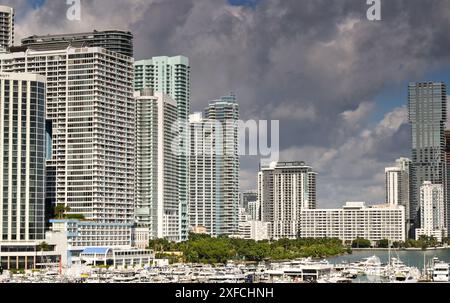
423, 242
209, 250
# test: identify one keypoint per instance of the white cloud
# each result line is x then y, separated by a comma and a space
363, 111
314, 63
351, 170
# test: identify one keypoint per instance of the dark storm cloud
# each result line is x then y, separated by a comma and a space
314, 64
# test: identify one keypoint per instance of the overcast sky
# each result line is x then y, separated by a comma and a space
336, 81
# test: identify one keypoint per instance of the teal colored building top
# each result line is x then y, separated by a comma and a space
163, 59
171, 76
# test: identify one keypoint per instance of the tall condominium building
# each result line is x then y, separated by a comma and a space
113, 40
201, 161
22, 167
171, 75
157, 206
428, 116
398, 187
432, 211
355, 220
90, 104
22, 122
6, 27
284, 190
447, 201
214, 168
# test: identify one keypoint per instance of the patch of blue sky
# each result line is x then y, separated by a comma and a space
35, 4
249, 3
397, 95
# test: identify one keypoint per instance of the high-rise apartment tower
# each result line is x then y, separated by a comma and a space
428, 116
171, 76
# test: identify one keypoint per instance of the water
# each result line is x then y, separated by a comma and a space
410, 258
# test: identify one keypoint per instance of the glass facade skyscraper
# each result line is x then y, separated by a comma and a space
447, 204
22, 166
428, 116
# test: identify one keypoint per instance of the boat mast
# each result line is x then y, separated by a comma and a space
389, 250
425, 273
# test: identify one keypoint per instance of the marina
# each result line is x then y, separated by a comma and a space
361, 267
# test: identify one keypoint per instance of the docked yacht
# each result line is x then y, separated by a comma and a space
441, 272
402, 277
370, 267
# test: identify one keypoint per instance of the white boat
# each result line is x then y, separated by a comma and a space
441, 272
335, 279
371, 267
402, 277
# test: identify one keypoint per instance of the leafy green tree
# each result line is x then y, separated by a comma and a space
361, 243
159, 245
383, 243
425, 241
398, 244
205, 249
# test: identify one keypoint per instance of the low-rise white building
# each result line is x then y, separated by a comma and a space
355, 220
72, 237
117, 257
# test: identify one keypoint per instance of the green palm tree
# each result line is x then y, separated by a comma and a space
61, 210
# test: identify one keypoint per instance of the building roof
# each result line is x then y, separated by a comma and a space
95, 250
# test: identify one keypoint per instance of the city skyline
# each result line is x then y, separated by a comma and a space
364, 117
113, 163
180, 66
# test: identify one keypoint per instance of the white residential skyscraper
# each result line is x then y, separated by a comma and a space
214, 168
6, 27
398, 187
90, 104
22, 166
432, 211
171, 75
284, 190
157, 206
202, 176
